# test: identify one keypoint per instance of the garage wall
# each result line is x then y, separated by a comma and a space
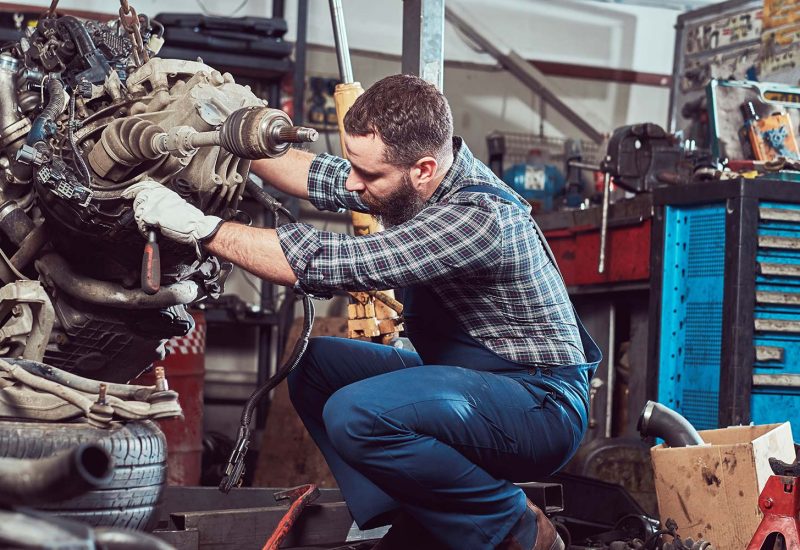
569, 31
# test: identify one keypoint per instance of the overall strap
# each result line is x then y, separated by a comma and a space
502, 193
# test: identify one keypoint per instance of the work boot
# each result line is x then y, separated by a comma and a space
521, 536
406, 533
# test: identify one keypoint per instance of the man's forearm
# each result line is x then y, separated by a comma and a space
288, 173
254, 249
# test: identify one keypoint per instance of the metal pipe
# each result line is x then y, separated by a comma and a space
601, 265
340, 38
657, 420
111, 538
56, 270
59, 477
9, 111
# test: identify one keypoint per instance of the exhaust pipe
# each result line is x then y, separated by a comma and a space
657, 420
62, 476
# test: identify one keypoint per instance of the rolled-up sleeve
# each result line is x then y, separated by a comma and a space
326, 189
442, 241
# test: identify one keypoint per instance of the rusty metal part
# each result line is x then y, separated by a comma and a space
49, 394
57, 271
28, 319
261, 132
100, 413
30, 482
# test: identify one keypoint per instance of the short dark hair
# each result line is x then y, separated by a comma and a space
410, 115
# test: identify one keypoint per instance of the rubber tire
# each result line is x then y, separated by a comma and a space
138, 448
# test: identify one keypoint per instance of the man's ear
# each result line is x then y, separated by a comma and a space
424, 170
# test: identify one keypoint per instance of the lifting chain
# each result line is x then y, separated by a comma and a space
129, 20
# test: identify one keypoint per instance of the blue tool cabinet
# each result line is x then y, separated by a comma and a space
725, 302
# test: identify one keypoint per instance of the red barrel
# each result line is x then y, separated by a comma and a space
185, 371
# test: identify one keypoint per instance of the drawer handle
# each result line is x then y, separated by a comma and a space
777, 325
787, 243
769, 353
779, 214
781, 270
777, 380
778, 298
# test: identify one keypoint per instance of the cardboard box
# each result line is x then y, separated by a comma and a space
712, 490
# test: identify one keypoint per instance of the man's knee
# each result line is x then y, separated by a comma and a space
309, 367
350, 421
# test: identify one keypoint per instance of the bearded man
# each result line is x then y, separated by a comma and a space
497, 389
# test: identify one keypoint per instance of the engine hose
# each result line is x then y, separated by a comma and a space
80, 164
266, 200
79, 34
59, 477
46, 119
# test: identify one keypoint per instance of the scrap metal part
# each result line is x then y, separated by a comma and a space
33, 390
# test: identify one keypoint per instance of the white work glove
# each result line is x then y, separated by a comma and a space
156, 207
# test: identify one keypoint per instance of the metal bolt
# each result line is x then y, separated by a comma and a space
101, 397
16, 311
768, 503
161, 379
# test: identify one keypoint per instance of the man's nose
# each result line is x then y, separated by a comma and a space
353, 183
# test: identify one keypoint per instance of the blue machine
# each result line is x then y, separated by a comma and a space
539, 184
727, 339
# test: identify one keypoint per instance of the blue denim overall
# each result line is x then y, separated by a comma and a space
441, 433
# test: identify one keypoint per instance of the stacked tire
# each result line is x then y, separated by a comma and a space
139, 451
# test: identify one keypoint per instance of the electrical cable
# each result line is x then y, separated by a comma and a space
77, 158
235, 467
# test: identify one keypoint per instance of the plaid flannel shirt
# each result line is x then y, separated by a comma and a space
476, 251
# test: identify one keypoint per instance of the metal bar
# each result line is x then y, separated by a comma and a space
320, 525
736, 368
601, 266
547, 496
299, 93
278, 9
340, 38
526, 73
423, 40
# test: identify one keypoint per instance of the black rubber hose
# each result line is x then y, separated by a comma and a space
62, 476
79, 34
657, 420
55, 106
297, 354
266, 200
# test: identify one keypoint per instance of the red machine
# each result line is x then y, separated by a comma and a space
780, 504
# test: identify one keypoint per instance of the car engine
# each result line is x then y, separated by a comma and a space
86, 110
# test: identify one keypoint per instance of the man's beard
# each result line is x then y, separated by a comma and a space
399, 206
